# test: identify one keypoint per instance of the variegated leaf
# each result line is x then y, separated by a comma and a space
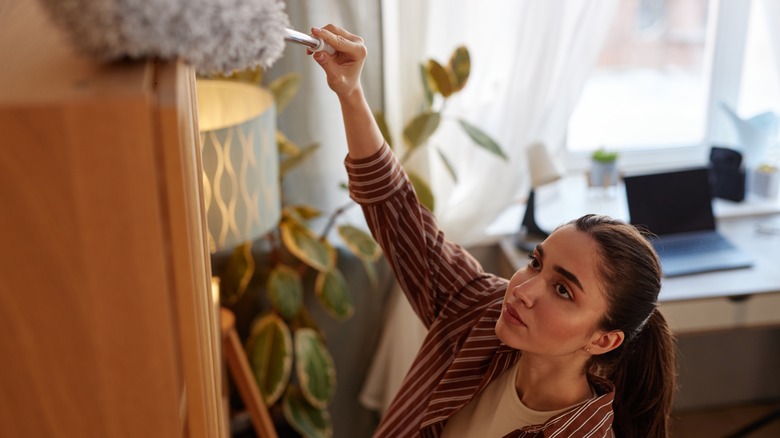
285, 291
306, 246
331, 290
307, 420
314, 368
360, 242
270, 352
238, 273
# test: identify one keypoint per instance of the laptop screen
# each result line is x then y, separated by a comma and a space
671, 202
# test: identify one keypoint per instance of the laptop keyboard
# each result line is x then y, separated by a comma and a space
698, 245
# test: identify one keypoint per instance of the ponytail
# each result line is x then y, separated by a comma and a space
644, 378
643, 367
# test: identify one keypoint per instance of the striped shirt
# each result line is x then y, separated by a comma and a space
459, 303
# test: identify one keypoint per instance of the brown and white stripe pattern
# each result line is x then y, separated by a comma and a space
458, 302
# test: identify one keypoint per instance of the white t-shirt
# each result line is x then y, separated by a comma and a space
496, 411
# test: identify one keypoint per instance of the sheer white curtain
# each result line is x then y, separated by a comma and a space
772, 10
529, 61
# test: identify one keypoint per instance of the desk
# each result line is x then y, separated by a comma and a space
708, 301
727, 323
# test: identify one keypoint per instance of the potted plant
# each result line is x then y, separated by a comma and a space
439, 82
603, 168
263, 282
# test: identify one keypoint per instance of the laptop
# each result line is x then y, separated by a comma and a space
677, 207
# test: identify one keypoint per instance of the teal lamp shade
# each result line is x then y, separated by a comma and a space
240, 161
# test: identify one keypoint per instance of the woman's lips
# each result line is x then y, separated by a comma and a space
512, 316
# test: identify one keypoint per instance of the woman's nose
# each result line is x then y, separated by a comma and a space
525, 292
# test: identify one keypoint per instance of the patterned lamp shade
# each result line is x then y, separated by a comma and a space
240, 161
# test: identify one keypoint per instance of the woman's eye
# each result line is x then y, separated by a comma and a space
562, 291
534, 263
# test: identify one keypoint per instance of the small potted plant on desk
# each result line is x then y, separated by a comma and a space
603, 168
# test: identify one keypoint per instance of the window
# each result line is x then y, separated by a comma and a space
665, 67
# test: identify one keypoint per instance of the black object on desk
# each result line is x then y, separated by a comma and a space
530, 233
727, 174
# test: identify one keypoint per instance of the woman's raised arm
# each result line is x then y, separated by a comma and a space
343, 70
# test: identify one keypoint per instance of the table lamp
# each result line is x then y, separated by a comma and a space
240, 161
544, 170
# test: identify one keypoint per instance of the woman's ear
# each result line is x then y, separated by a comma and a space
604, 342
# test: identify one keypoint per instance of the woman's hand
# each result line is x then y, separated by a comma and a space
344, 66
343, 70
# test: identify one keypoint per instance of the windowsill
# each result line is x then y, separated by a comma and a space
645, 160
570, 198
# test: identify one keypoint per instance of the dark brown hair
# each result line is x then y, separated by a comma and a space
643, 367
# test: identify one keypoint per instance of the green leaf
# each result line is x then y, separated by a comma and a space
344, 186
604, 156
314, 368
291, 214
306, 246
307, 420
379, 116
237, 275
447, 165
424, 192
421, 128
331, 290
293, 162
285, 146
302, 213
483, 139
270, 352
360, 243
284, 89
285, 291
459, 67
428, 85
441, 79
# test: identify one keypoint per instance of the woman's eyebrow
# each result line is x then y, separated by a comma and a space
570, 276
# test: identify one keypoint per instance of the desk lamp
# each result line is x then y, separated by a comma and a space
543, 170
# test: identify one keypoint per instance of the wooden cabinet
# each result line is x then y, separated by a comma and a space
108, 325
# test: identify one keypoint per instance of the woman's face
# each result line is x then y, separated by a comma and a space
552, 305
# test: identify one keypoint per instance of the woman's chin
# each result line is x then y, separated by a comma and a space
505, 334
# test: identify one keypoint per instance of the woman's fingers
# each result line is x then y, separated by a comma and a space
342, 41
343, 32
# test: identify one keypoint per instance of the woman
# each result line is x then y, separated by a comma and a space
571, 346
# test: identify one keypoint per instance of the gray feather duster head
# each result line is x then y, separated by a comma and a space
215, 36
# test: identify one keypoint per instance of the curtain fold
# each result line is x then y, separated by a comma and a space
772, 10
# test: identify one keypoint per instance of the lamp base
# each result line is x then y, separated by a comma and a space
530, 234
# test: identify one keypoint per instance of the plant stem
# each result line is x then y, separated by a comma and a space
332, 220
